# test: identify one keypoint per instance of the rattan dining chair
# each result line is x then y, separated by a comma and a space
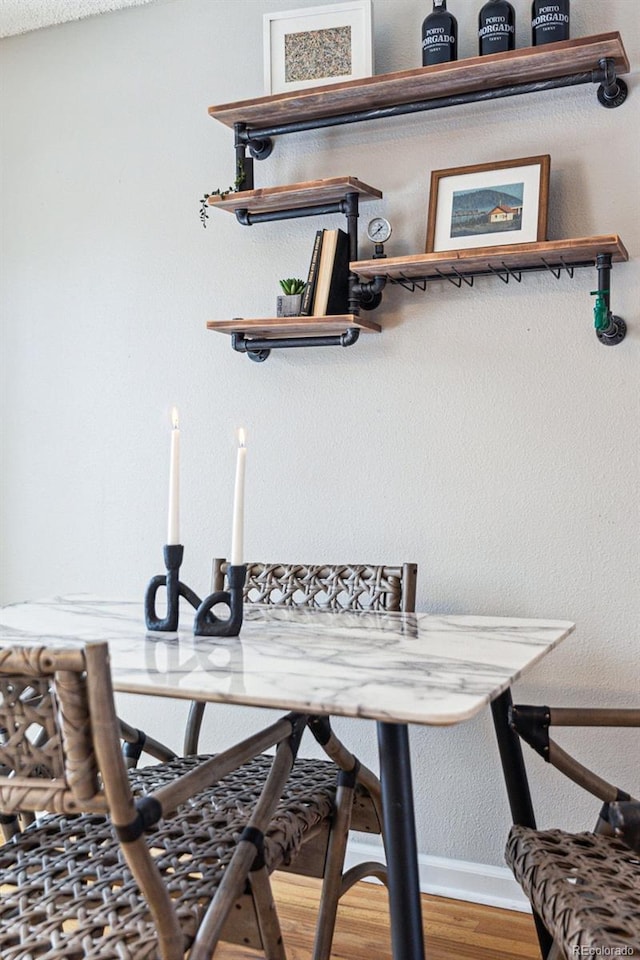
134, 743
584, 887
354, 789
156, 866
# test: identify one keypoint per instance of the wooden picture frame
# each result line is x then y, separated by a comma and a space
314, 46
489, 204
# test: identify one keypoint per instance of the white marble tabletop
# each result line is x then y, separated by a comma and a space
409, 668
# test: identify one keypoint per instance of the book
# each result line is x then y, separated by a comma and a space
332, 286
312, 276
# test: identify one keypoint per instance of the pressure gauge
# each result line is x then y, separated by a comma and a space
379, 230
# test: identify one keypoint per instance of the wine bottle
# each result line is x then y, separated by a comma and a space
439, 35
496, 27
549, 21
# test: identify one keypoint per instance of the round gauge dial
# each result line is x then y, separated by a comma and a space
379, 230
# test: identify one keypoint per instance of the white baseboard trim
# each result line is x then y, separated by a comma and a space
456, 879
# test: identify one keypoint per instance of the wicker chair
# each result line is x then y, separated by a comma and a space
84, 881
584, 887
354, 789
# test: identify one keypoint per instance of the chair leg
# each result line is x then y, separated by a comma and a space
9, 826
370, 868
332, 885
555, 953
192, 730
137, 742
267, 915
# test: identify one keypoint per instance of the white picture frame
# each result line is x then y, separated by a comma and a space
314, 46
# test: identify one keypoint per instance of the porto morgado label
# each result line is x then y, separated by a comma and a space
439, 36
496, 28
549, 21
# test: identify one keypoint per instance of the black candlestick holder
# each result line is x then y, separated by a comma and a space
206, 623
173, 553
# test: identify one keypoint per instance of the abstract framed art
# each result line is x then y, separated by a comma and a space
317, 45
488, 204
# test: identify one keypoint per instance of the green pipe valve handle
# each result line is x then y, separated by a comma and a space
600, 311
610, 329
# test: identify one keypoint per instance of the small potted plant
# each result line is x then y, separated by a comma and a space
288, 304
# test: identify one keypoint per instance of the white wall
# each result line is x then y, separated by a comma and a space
486, 434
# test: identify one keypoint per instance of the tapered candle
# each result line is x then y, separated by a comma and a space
173, 526
237, 532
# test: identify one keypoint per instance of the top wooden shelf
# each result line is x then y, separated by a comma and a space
551, 61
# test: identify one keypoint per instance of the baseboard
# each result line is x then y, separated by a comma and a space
456, 879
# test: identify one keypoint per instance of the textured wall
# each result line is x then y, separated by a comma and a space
486, 434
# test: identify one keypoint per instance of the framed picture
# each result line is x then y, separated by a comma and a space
317, 45
489, 204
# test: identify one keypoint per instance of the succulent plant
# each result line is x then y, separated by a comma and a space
292, 285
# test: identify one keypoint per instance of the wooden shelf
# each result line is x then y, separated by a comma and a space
294, 196
587, 60
551, 61
554, 253
276, 327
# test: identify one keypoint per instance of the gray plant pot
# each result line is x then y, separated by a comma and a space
288, 305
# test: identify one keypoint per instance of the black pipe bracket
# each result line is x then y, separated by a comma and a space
259, 348
612, 91
369, 293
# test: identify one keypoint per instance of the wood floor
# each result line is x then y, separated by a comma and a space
453, 930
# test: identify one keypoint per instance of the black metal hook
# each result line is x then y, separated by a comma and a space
465, 279
498, 273
446, 276
516, 274
457, 279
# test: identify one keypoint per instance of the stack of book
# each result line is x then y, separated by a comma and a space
327, 290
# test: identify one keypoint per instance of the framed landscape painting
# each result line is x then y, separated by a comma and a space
314, 46
489, 204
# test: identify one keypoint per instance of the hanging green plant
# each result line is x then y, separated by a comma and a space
237, 183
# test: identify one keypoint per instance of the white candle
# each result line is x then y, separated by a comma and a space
237, 532
173, 526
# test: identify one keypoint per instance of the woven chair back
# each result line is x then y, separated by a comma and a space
326, 586
47, 757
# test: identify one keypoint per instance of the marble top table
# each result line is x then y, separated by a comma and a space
394, 668
408, 668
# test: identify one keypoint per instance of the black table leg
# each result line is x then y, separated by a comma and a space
400, 842
515, 778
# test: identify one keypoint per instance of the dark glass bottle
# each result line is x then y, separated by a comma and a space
439, 36
549, 21
496, 27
